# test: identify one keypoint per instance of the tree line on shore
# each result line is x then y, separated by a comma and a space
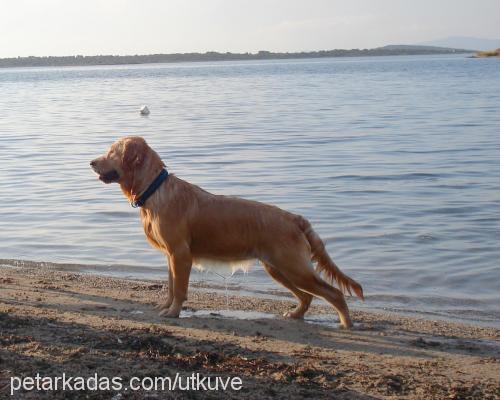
80, 60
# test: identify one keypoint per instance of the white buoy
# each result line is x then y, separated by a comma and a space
144, 110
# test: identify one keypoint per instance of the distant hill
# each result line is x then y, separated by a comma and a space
392, 50
425, 49
465, 42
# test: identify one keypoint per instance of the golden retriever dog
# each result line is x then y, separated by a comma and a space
191, 226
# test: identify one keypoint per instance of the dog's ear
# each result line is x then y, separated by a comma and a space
134, 154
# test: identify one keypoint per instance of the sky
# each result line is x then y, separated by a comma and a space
92, 27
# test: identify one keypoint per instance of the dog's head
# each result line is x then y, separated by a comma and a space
129, 162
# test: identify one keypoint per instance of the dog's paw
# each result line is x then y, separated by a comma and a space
170, 313
294, 314
164, 305
346, 326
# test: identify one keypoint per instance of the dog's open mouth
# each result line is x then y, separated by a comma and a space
109, 177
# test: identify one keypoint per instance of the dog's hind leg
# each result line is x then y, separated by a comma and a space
296, 268
303, 297
335, 297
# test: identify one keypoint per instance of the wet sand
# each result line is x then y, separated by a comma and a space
53, 322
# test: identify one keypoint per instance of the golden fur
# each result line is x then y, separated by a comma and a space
189, 224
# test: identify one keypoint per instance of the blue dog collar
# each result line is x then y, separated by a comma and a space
151, 189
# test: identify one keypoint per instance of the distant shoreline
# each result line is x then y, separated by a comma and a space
78, 60
487, 54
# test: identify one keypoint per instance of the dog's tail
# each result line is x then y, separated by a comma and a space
325, 264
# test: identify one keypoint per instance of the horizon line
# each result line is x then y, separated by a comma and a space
255, 53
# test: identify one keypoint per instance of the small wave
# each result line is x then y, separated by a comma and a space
426, 237
394, 177
116, 214
468, 210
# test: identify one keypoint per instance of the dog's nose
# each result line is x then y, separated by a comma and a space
93, 163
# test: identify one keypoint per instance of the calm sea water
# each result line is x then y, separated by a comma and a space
395, 161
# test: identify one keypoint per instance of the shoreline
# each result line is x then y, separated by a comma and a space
478, 313
211, 56
53, 322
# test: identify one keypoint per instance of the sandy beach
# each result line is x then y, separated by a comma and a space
53, 322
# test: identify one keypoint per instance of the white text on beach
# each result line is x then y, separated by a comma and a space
193, 382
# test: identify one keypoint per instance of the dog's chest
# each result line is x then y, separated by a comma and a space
152, 231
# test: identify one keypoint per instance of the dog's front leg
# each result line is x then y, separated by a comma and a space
180, 269
164, 305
